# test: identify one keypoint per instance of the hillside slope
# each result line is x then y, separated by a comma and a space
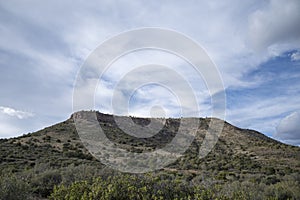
239, 155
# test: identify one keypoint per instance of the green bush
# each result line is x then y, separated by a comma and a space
13, 188
284, 190
42, 184
125, 187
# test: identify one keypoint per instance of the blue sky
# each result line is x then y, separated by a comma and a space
254, 44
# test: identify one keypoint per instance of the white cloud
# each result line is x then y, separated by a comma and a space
289, 128
275, 26
138, 69
295, 56
51, 43
15, 113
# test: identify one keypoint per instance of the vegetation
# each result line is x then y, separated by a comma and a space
166, 187
53, 163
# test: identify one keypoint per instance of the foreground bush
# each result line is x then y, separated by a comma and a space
157, 187
79, 182
128, 187
13, 188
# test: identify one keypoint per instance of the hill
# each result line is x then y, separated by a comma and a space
242, 163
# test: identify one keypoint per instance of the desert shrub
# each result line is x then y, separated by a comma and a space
170, 186
66, 146
125, 187
78, 190
270, 171
82, 172
42, 184
241, 190
47, 138
283, 190
270, 180
13, 188
221, 175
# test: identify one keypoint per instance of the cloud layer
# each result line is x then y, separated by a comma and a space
288, 129
15, 113
255, 44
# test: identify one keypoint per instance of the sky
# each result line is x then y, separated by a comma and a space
254, 44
